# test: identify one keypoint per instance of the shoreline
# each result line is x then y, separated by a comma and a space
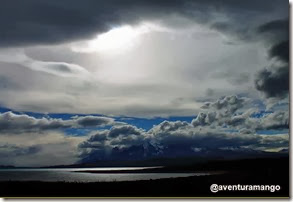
146, 171
194, 186
273, 171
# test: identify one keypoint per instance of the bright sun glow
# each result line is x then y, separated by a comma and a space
117, 39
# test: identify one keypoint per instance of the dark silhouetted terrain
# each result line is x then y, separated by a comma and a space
261, 171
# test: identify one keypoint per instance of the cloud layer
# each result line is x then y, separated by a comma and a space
273, 81
10, 122
224, 125
190, 48
186, 57
33, 22
224, 128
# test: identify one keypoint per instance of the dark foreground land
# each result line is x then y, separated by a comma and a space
267, 171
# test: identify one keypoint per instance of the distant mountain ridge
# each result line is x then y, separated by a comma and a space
136, 156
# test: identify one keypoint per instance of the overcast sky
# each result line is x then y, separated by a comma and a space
144, 60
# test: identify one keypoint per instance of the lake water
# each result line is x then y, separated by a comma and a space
68, 175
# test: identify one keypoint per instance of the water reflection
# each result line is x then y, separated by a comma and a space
67, 174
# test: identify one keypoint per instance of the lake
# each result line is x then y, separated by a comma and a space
68, 174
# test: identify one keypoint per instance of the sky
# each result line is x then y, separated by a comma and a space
82, 81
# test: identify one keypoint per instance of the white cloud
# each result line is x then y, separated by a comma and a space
226, 127
162, 75
170, 139
19, 123
26, 140
62, 69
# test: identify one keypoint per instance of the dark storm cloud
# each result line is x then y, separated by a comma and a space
273, 81
55, 21
274, 25
44, 22
10, 122
277, 29
280, 51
